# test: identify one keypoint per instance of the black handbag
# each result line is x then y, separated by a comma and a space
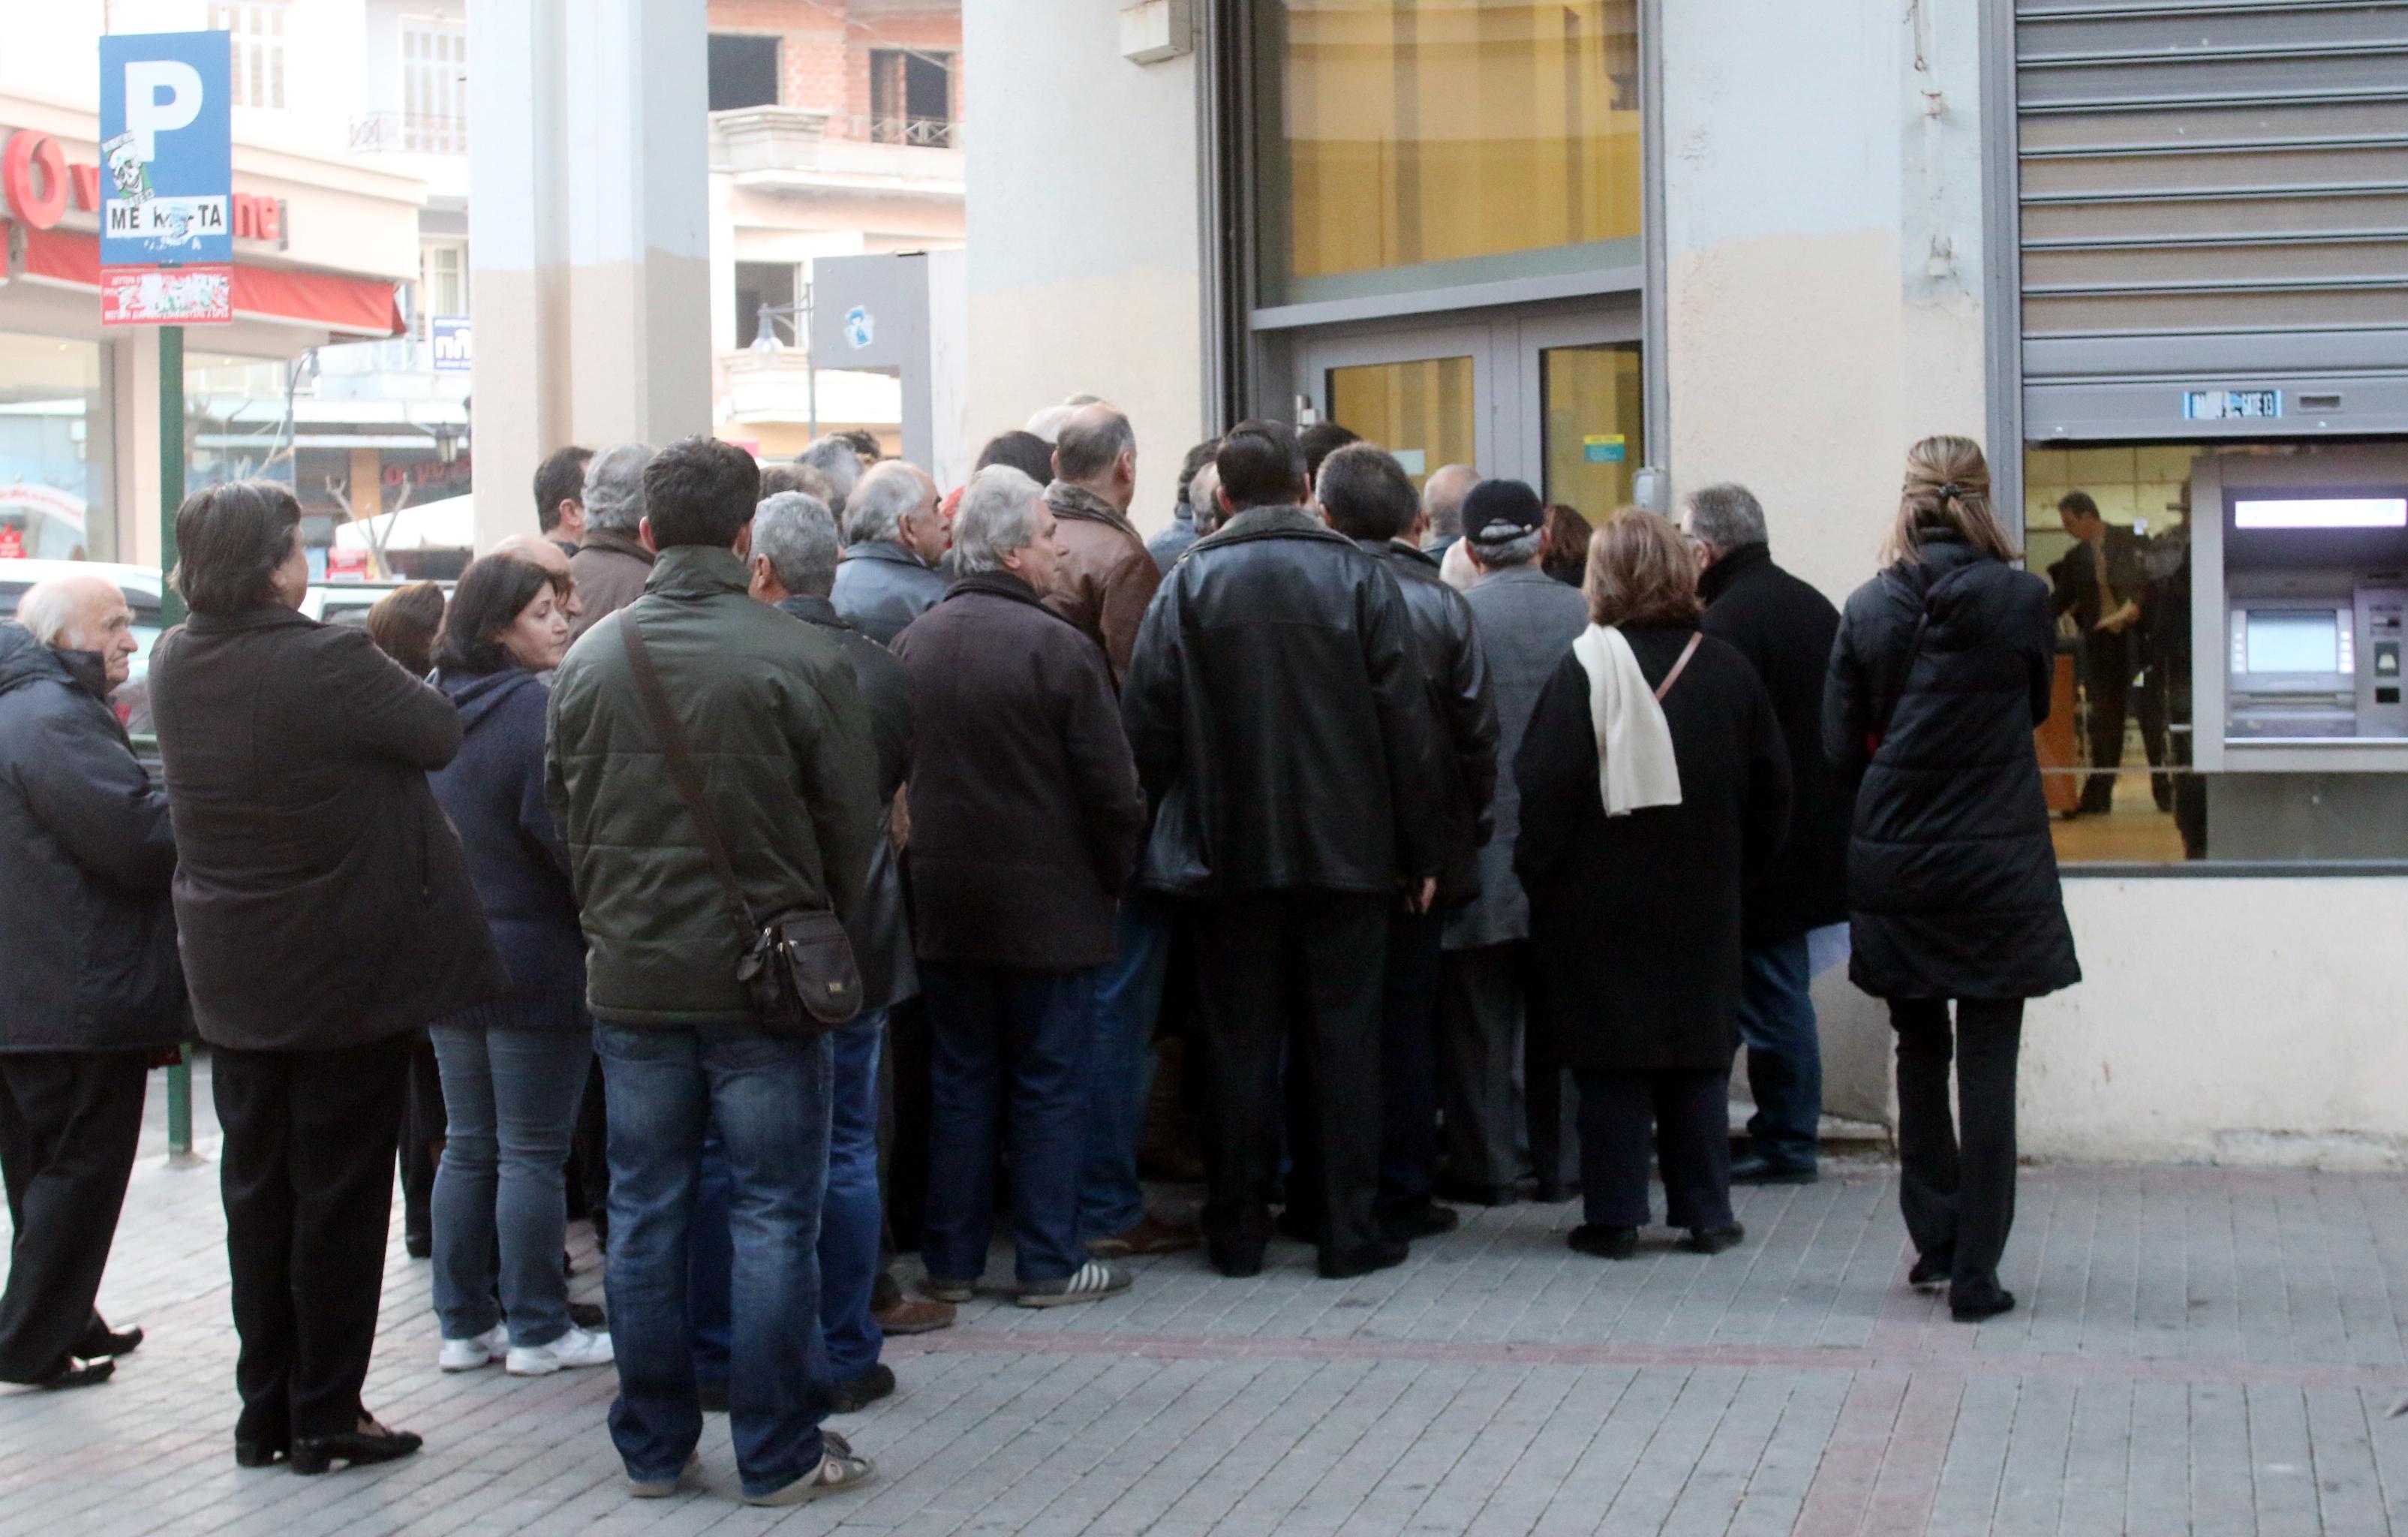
797, 967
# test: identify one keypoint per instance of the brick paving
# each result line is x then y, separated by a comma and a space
2198, 1351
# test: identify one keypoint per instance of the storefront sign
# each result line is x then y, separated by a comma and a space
2232, 405
167, 142
39, 184
449, 338
179, 295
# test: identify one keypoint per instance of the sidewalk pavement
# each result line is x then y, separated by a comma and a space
2204, 1351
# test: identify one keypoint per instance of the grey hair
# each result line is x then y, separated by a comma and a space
1442, 496
49, 609
876, 508
997, 515
1091, 442
1727, 516
1046, 422
794, 531
614, 487
1520, 550
834, 458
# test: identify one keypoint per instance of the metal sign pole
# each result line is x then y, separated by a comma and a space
171, 612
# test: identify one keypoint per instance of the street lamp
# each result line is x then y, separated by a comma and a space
797, 317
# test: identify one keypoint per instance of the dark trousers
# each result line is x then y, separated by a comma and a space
1300, 970
589, 1158
1409, 1063
1690, 1111
1481, 996
307, 1172
1009, 1061
1956, 1175
423, 1127
2108, 667
68, 1125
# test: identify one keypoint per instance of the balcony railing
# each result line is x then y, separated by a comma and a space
931, 133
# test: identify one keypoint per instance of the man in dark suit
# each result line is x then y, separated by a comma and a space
1785, 628
2103, 583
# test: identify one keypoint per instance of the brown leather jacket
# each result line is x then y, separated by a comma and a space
609, 572
1105, 578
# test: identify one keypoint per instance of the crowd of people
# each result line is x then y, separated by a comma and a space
873, 862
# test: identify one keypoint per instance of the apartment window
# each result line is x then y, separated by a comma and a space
910, 97
758, 283
258, 28
442, 281
743, 71
434, 86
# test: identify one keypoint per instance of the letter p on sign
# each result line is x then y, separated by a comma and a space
147, 114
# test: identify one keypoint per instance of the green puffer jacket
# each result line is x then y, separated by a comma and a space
771, 714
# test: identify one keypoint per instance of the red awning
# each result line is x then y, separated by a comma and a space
360, 307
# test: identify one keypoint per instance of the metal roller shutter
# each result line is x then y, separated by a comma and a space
2214, 198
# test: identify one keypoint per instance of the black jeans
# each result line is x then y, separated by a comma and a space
1301, 969
422, 1129
1408, 1064
1957, 1176
68, 1125
307, 1177
1689, 1110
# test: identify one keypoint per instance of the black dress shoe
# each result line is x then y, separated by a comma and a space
1299, 1224
1604, 1242
76, 1373
1973, 1304
855, 1394
101, 1339
313, 1454
1463, 1193
1754, 1171
1555, 1192
418, 1245
1235, 1257
258, 1453
1428, 1222
1385, 1255
1715, 1240
1930, 1272
588, 1317
710, 1393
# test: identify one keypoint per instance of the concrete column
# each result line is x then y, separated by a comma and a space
136, 396
588, 211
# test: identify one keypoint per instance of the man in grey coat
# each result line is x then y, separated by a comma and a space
1527, 621
894, 535
609, 569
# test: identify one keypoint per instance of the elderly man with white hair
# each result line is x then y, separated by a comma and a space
1025, 816
609, 569
894, 536
90, 987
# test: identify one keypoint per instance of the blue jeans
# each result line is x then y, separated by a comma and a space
852, 1220
1120, 1068
768, 1098
1785, 1053
512, 1099
1007, 1052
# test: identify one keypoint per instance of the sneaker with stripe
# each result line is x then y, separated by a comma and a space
1090, 1282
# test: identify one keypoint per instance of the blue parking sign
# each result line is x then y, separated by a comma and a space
167, 149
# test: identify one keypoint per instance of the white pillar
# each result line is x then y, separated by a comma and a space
587, 219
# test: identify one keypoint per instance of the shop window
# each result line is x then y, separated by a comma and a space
743, 71
2132, 688
758, 283
57, 451
258, 42
1406, 146
434, 86
443, 282
910, 97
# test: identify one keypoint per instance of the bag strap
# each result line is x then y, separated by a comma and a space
1678, 667
682, 763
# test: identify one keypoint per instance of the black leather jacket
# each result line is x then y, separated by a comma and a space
1456, 675
1276, 707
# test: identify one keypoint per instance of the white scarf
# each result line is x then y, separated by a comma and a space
1635, 767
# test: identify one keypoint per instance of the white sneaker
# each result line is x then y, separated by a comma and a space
468, 1355
575, 1348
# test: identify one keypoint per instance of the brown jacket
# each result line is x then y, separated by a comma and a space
609, 570
1105, 578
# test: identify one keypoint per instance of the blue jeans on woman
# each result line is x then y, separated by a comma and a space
511, 1097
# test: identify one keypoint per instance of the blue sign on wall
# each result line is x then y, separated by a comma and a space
453, 343
167, 149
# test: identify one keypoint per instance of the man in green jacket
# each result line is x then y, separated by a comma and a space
771, 716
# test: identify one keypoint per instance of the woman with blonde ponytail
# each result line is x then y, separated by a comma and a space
1941, 672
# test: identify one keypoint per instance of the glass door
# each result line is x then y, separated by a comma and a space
1428, 396
1580, 416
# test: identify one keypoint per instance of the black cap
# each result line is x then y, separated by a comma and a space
1498, 511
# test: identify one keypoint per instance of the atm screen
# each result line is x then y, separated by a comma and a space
2291, 641
2322, 512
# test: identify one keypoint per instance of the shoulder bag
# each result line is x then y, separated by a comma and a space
797, 967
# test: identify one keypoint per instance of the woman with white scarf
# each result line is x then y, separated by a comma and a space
1654, 784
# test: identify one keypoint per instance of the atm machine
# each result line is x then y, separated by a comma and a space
2300, 649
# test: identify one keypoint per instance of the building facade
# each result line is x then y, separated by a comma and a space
2147, 253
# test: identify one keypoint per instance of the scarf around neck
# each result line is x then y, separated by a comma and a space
1635, 766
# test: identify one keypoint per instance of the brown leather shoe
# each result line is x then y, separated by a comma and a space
909, 1316
1152, 1235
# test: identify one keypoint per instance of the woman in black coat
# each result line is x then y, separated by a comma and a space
1635, 916
324, 914
1941, 672
513, 1067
